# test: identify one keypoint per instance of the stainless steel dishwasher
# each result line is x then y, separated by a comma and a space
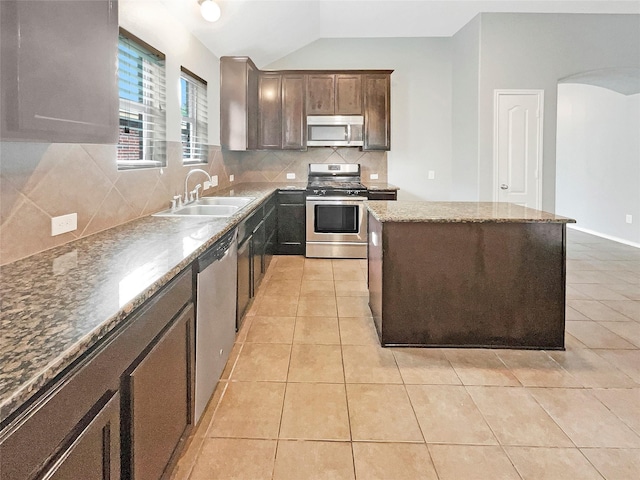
217, 279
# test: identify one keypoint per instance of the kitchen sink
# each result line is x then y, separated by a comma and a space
220, 207
235, 201
207, 210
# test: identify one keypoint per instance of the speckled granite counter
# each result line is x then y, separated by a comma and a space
380, 187
57, 304
459, 212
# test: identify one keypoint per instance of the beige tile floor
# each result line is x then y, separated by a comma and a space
309, 393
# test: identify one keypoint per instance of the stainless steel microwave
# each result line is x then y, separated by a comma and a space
335, 130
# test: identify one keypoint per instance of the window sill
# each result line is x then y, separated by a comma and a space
139, 164
190, 161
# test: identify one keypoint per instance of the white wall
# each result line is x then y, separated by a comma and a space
466, 77
598, 159
420, 102
152, 22
534, 51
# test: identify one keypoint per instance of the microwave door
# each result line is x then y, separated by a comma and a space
321, 135
328, 133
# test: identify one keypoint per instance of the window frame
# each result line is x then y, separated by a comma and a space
151, 104
197, 119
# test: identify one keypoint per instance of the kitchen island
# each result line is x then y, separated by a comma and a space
467, 274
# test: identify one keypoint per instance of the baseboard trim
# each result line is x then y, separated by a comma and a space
604, 235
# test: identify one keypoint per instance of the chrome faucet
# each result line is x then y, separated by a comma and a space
188, 199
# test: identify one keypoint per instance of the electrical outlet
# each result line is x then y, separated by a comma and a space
373, 176
291, 176
629, 219
232, 178
64, 224
214, 181
431, 175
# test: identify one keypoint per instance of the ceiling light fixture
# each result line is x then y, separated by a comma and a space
210, 10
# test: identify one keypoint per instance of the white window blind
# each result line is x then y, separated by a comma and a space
194, 126
141, 82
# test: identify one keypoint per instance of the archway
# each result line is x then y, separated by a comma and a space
598, 152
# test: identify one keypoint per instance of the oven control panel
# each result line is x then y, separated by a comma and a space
337, 193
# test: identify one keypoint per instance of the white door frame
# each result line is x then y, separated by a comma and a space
496, 96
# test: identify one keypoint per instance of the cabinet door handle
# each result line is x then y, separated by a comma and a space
504, 186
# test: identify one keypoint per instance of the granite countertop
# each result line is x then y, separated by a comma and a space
57, 304
376, 186
460, 212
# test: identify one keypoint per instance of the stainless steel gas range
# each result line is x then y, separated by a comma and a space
336, 218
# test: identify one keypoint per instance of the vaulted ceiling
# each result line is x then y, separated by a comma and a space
267, 30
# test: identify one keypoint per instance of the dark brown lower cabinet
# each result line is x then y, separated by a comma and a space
271, 234
291, 223
244, 280
256, 246
382, 195
258, 240
120, 410
157, 399
94, 452
467, 284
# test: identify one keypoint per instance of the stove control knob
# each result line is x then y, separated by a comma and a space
316, 192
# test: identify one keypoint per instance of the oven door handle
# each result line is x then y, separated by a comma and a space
354, 200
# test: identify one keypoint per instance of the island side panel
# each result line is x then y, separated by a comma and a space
474, 284
374, 276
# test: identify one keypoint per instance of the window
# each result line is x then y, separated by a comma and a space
141, 83
193, 105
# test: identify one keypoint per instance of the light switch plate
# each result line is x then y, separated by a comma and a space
64, 224
629, 219
373, 176
214, 181
431, 174
291, 176
232, 178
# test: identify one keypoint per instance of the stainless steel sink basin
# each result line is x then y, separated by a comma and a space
208, 210
236, 201
220, 207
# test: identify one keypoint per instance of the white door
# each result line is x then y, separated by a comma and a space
518, 147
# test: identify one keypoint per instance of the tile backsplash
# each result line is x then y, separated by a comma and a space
41, 181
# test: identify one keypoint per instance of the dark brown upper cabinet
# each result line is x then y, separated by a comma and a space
281, 112
320, 95
377, 112
269, 111
293, 112
58, 71
334, 94
238, 103
348, 94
